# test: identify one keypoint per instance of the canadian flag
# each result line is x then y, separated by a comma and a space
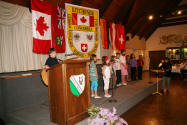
41, 23
83, 20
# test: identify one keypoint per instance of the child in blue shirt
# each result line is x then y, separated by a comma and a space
52, 60
93, 76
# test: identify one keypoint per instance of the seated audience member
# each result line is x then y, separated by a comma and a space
184, 70
52, 60
160, 64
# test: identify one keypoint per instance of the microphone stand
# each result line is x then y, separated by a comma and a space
150, 77
112, 100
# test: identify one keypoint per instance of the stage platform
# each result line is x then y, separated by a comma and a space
126, 96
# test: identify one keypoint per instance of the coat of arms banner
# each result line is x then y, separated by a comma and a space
82, 37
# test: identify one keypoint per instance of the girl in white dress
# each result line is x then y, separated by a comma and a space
106, 75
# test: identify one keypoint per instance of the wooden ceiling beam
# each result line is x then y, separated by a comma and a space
173, 23
76, 2
123, 13
139, 14
169, 8
181, 19
104, 7
137, 26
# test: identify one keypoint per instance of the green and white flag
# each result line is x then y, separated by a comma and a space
77, 84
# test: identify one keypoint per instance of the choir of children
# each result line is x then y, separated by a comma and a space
120, 66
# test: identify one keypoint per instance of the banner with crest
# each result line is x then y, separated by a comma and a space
82, 37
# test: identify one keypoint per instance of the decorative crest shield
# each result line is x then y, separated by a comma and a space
77, 84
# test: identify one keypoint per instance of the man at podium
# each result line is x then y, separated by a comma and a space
52, 60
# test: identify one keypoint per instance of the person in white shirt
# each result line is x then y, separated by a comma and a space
106, 75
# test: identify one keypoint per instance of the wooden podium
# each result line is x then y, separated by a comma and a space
66, 108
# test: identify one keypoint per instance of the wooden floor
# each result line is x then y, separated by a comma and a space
169, 109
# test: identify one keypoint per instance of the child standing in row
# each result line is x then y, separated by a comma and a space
133, 64
106, 75
117, 68
124, 72
93, 76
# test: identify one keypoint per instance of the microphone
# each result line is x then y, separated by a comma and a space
59, 59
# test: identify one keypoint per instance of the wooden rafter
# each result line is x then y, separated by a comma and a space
104, 7
137, 26
123, 13
76, 2
165, 9
136, 15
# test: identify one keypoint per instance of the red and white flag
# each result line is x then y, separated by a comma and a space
83, 20
120, 37
58, 34
113, 32
41, 26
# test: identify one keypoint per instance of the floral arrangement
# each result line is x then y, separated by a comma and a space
103, 116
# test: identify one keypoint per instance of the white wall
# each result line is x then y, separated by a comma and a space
153, 43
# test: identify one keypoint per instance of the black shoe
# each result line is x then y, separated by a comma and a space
162, 91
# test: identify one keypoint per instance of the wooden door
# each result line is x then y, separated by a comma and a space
155, 58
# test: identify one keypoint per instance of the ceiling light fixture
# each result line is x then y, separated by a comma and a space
179, 12
150, 17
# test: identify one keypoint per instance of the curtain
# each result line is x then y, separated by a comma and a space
16, 40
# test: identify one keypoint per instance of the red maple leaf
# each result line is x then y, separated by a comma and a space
83, 19
41, 26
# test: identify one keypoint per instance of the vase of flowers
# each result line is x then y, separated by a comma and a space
103, 116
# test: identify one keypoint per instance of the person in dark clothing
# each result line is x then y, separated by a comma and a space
52, 60
117, 69
140, 63
166, 67
133, 64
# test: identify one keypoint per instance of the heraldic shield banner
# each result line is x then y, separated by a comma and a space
81, 30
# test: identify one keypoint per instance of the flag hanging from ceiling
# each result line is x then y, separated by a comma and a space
41, 26
82, 30
113, 31
108, 34
58, 34
103, 30
120, 37
48, 27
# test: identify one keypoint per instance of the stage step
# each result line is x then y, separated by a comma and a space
127, 97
